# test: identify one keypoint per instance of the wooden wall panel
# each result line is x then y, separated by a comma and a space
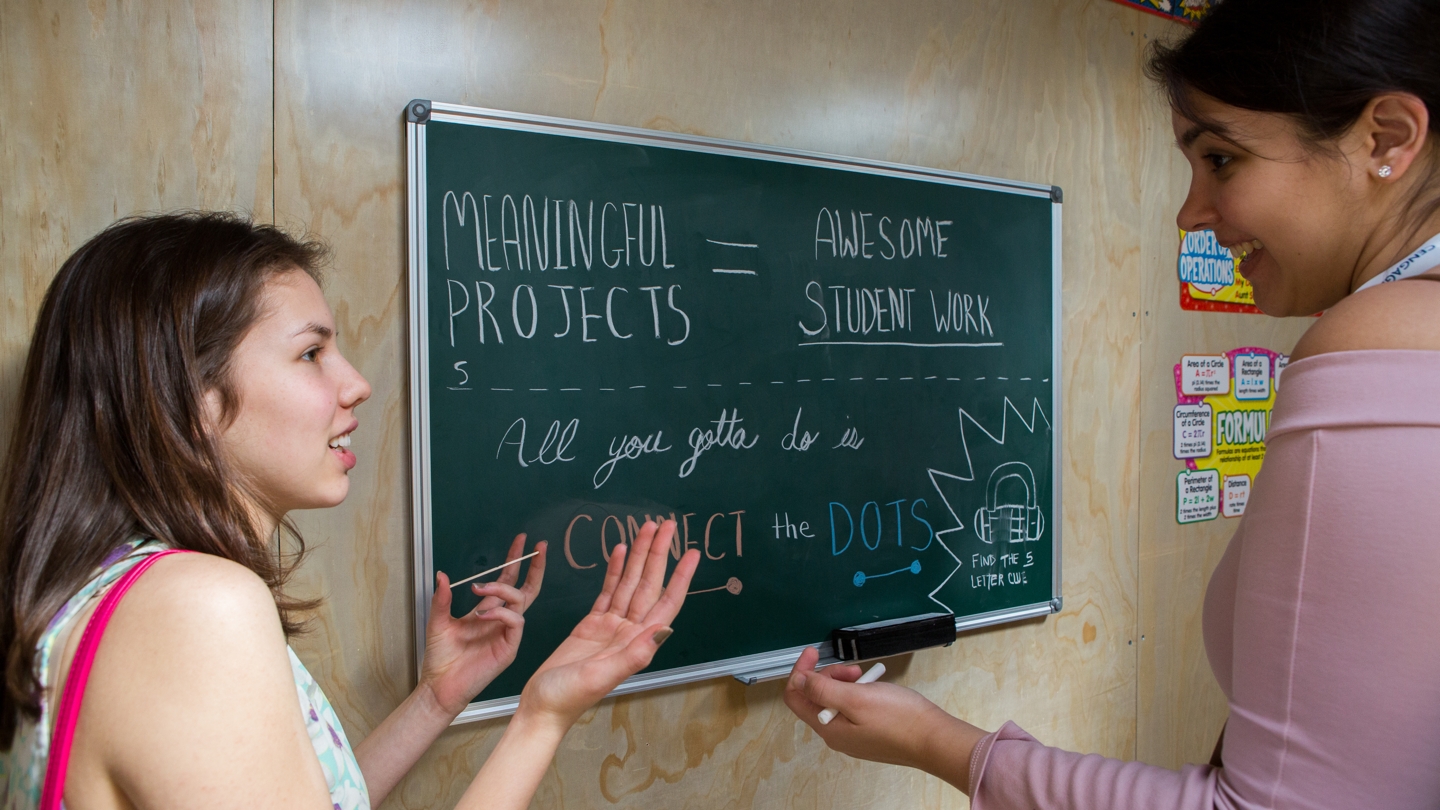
1050, 92
1181, 707
113, 108
118, 107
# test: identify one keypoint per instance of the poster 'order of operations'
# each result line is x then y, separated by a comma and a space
1222, 414
1209, 276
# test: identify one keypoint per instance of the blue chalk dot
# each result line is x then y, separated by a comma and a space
915, 567
859, 578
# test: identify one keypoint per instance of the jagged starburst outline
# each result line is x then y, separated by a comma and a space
1037, 414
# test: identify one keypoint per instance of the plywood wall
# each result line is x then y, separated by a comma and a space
109, 109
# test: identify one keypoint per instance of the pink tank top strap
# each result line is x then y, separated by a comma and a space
74, 691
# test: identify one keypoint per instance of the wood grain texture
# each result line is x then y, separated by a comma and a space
1181, 707
114, 108
117, 107
1048, 92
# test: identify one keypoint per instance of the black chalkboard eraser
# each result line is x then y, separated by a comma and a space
895, 636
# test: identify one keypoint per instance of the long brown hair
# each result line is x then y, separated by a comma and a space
111, 438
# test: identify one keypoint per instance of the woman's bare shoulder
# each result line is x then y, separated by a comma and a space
193, 693
1400, 315
184, 589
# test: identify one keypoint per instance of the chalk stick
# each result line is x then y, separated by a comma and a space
871, 675
496, 568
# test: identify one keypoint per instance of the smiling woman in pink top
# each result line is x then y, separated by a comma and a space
1311, 133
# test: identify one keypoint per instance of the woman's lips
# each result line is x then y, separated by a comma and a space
346, 457
1247, 265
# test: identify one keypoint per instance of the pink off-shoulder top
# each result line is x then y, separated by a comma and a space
1321, 622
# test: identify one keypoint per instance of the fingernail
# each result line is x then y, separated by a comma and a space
660, 635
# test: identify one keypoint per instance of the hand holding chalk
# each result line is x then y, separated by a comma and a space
871, 675
493, 570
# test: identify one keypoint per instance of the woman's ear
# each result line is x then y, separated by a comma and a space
1395, 127
214, 404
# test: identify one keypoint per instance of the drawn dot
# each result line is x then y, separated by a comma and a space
915, 567
859, 578
733, 585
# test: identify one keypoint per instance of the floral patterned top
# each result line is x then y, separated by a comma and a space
22, 768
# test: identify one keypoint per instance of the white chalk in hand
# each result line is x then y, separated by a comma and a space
493, 570
871, 675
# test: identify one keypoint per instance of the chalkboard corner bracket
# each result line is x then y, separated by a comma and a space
1056, 195
417, 111
1056, 604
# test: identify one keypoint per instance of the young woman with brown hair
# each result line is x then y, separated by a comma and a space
184, 391
1311, 132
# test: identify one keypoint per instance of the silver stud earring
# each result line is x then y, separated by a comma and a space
1384, 171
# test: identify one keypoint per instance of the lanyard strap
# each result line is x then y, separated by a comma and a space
1423, 260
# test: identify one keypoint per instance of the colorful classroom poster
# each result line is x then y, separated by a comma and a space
1187, 11
1197, 496
1222, 413
1210, 280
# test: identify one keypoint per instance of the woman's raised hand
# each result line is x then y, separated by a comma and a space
463, 655
630, 620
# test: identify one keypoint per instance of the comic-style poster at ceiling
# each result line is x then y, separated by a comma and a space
1186, 11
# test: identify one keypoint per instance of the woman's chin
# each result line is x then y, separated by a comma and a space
333, 495
1271, 300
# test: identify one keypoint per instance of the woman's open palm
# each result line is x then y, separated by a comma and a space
619, 637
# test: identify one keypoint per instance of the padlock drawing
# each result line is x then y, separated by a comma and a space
1010, 522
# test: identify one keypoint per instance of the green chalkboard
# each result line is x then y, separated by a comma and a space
839, 376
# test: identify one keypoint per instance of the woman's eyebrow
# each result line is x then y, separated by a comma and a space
1189, 136
317, 328
1187, 139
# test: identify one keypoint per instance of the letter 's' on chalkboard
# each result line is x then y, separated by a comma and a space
838, 376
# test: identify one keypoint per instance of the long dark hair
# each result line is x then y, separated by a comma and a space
111, 439
1320, 62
